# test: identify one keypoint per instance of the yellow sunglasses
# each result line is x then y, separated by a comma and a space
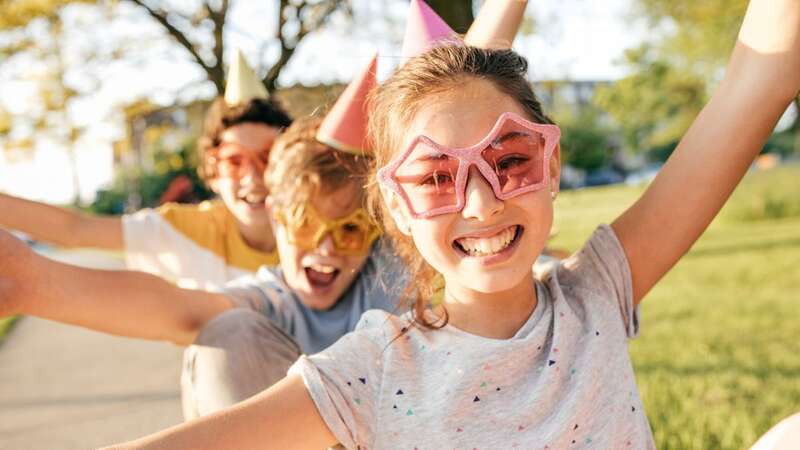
352, 234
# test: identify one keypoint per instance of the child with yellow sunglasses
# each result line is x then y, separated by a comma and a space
243, 339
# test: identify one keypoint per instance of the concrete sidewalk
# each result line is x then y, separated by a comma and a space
65, 388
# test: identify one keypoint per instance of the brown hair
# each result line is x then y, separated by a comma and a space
300, 167
220, 117
394, 104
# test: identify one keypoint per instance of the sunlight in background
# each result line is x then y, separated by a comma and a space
575, 39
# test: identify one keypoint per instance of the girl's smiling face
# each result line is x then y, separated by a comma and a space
490, 245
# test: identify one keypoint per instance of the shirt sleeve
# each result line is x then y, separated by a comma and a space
147, 235
264, 294
602, 268
344, 382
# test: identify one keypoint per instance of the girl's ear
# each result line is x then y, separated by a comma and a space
555, 169
397, 210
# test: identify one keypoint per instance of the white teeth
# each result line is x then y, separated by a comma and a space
253, 198
322, 269
490, 245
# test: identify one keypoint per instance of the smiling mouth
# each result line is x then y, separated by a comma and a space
321, 276
254, 199
488, 246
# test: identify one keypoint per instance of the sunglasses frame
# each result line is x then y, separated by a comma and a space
329, 225
249, 154
467, 157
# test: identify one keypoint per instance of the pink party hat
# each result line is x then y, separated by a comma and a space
423, 28
497, 24
345, 126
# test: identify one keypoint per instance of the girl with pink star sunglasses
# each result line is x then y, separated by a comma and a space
468, 171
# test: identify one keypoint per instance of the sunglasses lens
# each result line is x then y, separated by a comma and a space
305, 230
350, 236
234, 159
428, 178
517, 158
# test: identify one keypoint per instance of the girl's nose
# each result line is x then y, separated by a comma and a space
480, 201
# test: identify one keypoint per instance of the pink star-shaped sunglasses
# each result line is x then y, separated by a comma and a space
513, 158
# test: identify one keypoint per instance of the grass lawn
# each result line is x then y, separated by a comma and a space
718, 358
5, 326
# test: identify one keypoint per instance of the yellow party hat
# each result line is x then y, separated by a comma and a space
243, 85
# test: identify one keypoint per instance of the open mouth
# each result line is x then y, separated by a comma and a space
254, 199
321, 276
480, 247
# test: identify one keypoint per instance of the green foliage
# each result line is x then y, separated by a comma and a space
656, 104
784, 144
585, 142
5, 326
718, 357
673, 72
661, 153
19, 13
771, 194
457, 13
150, 185
701, 33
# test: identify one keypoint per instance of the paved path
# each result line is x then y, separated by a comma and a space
65, 388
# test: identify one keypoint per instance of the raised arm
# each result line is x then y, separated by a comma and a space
762, 78
282, 417
125, 303
60, 226
497, 24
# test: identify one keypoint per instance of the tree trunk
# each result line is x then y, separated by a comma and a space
76, 179
457, 13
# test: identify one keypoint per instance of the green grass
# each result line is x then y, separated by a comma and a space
718, 359
5, 326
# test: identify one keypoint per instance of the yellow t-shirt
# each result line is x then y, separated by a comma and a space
196, 246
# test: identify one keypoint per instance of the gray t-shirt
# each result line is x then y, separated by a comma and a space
565, 380
378, 286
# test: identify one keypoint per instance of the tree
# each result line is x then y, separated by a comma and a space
457, 13
656, 104
199, 30
673, 73
586, 143
50, 120
35, 44
296, 19
702, 34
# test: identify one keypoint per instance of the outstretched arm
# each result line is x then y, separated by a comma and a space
762, 78
60, 226
125, 303
497, 24
282, 417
